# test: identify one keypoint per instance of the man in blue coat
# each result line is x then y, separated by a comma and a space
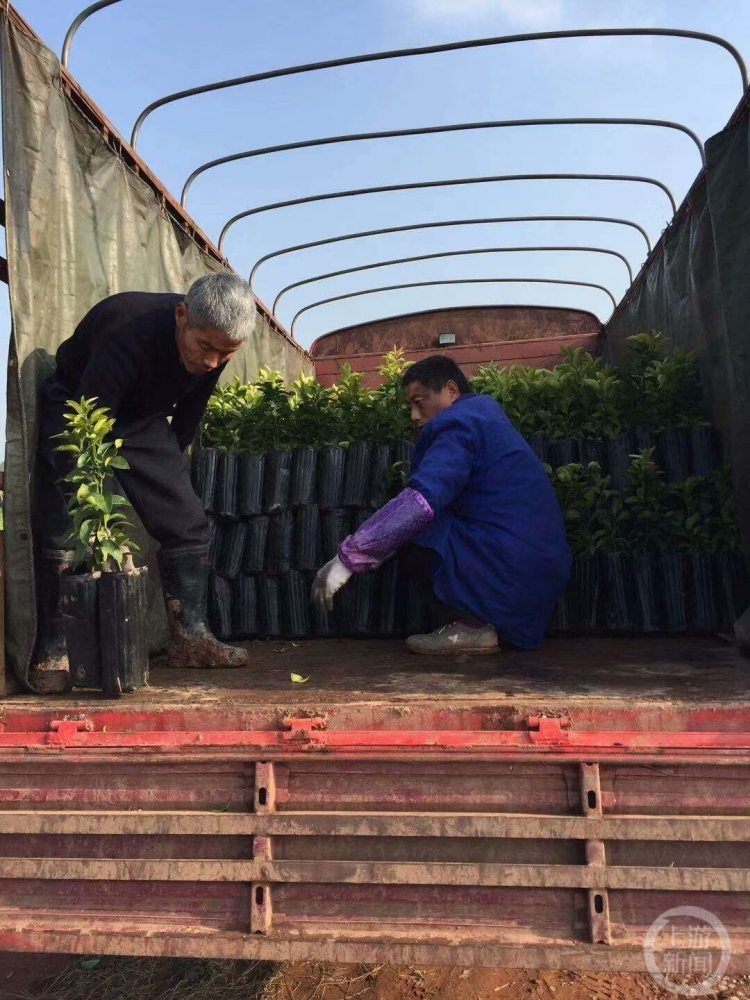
478, 523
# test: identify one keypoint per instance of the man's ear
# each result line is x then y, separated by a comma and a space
452, 388
181, 313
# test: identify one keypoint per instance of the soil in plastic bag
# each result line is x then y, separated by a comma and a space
732, 587
254, 560
619, 450
295, 605
620, 612
356, 474
703, 609
590, 450
225, 504
250, 484
403, 451
232, 552
335, 528
538, 444
206, 464
586, 581
80, 614
380, 468
220, 607
269, 606
244, 607
387, 598
671, 582
280, 544
304, 461
645, 590
308, 546
331, 462
704, 450
277, 481
673, 454
123, 632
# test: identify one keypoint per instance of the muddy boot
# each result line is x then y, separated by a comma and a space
184, 580
456, 639
50, 670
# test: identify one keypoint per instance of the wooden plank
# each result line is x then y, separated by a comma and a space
379, 873
378, 824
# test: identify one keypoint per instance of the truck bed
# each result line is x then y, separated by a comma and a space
539, 809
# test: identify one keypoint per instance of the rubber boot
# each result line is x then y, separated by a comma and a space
50, 669
184, 580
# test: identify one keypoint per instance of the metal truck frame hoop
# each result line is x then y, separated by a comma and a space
76, 24
451, 281
449, 222
473, 43
448, 253
423, 185
440, 129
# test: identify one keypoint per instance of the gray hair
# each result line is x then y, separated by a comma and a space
222, 301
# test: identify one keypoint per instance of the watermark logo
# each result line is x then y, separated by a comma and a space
690, 943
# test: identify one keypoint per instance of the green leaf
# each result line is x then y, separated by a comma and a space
90, 963
118, 462
83, 492
112, 551
298, 679
85, 531
100, 502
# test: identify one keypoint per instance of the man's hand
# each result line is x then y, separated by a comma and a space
329, 579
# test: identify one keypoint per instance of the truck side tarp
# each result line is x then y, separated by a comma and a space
81, 225
695, 288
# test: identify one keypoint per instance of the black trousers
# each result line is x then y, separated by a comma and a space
157, 483
416, 562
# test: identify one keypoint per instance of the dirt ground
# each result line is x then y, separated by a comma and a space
62, 977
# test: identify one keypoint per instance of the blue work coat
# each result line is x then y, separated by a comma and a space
498, 534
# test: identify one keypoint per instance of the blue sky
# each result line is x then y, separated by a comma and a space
133, 52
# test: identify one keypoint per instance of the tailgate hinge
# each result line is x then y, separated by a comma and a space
308, 732
543, 729
65, 730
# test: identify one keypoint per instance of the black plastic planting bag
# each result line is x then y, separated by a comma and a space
365, 591
307, 541
225, 503
205, 477
590, 451
331, 461
277, 481
562, 452
280, 544
619, 450
269, 606
254, 560
232, 551
415, 617
673, 451
335, 528
123, 632
380, 467
538, 445
732, 585
295, 605
250, 484
403, 452
304, 461
356, 474
619, 612
563, 616
643, 439
586, 579
220, 607
704, 450
215, 539
671, 583
645, 589
387, 598
244, 607
703, 613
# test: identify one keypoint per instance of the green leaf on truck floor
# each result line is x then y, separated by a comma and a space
299, 679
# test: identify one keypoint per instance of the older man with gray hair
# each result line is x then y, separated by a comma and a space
153, 359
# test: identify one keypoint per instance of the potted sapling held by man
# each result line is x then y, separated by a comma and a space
104, 607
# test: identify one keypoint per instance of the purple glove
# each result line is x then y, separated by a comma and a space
378, 538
